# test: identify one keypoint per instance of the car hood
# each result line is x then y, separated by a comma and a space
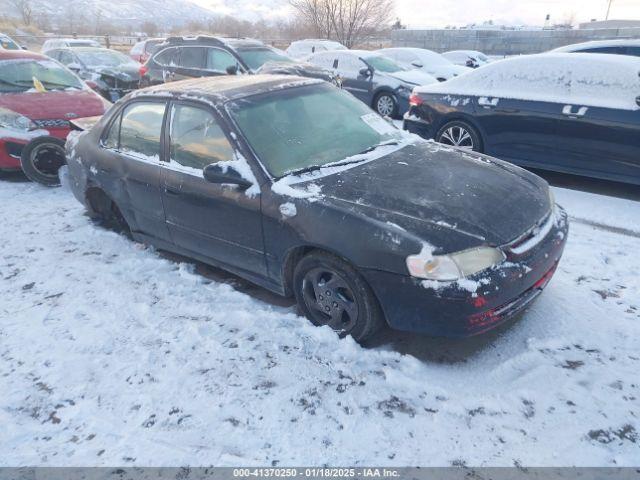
414, 77
126, 73
54, 105
452, 199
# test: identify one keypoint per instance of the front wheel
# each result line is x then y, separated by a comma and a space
386, 105
331, 292
41, 160
460, 134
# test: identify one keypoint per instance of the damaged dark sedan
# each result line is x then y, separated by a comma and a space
297, 186
112, 74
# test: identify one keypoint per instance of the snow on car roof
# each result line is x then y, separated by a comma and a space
609, 81
228, 87
599, 44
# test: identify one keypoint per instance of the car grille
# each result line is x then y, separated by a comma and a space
52, 123
533, 237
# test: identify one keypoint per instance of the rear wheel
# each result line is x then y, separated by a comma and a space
41, 160
460, 134
331, 292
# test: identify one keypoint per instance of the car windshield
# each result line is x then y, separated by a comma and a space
103, 58
8, 44
383, 64
256, 57
306, 127
24, 75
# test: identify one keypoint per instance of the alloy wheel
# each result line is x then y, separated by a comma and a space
457, 136
329, 299
385, 105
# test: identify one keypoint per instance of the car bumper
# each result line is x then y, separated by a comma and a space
416, 125
481, 303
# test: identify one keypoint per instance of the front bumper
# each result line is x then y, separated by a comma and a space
478, 304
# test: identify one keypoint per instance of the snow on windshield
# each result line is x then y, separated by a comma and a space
610, 81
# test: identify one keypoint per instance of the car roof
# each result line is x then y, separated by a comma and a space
86, 49
620, 42
21, 54
224, 88
211, 40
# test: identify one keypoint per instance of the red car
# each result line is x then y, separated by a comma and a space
38, 98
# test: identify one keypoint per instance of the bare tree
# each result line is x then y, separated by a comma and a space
25, 10
348, 21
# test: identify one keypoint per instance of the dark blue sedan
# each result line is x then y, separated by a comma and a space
574, 113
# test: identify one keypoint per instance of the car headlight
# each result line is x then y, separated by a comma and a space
455, 265
12, 120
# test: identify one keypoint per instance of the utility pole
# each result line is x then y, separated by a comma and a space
609, 9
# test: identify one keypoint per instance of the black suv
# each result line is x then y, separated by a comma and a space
180, 58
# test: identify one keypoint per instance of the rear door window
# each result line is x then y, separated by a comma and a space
141, 130
166, 57
192, 57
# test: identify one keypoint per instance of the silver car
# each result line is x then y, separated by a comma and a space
373, 78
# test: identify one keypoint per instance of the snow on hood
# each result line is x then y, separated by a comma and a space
609, 81
415, 77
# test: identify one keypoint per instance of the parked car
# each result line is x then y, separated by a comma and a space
180, 58
467, 58
142, 50
373, 78
426, 61
68, 43
570, 112
8, 43
38, 97
276, 178
113, 73
615, 47
301, 49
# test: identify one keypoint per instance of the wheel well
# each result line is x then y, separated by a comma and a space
97, 200
377, 93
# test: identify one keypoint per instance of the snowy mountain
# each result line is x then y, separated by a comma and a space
163, 13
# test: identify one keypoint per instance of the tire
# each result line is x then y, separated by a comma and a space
42, 158
386, 105
331, 292
460, 134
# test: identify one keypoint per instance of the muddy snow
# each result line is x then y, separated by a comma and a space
113, 354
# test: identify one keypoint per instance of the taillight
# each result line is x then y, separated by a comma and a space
143, 70
415, 100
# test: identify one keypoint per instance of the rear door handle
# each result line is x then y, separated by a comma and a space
568, 111
171, 192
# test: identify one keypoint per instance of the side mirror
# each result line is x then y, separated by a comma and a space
74, 66
24, 48
214, 173
417, 64
232, 70
365, 72
638, 101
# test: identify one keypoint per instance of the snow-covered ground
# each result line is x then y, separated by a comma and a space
112, 354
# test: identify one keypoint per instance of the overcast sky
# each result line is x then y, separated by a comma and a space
440, 13
530, 12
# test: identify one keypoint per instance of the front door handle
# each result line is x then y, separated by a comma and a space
171, 192
568, 111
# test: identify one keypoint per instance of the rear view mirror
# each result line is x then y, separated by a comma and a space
417, 64
214, 173
232, 70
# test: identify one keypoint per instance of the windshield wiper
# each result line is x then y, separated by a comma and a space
314, 168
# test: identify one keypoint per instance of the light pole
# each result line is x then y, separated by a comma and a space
609, 9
